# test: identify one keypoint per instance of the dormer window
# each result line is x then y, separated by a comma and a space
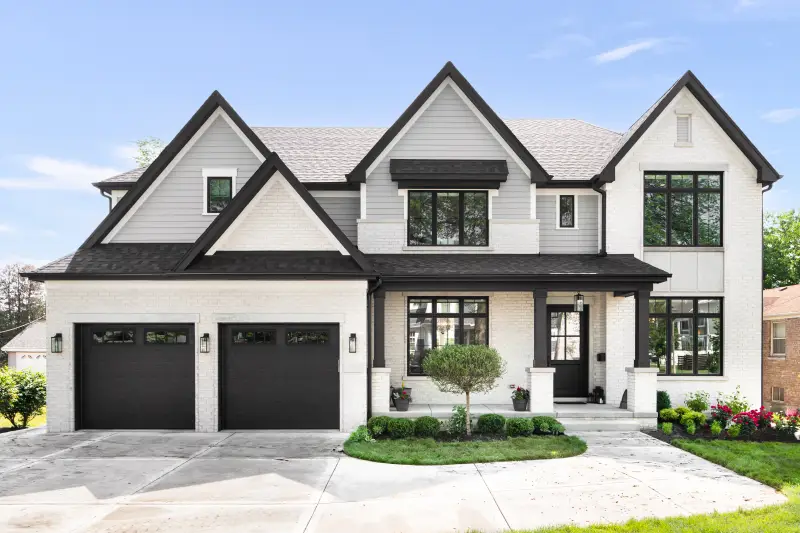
219, 185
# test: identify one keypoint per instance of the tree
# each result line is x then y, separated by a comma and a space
21, 300
781, 249
464, 369
147, 150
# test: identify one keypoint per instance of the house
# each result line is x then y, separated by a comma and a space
230, 286
781, 348
28, 349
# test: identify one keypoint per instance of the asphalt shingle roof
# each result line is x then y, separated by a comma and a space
782, 301
34, 337
566, 148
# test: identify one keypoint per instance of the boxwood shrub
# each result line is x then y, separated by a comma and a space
697, 418
519, 427
378, 425
426, 427
401, 428
491, 424
669, 415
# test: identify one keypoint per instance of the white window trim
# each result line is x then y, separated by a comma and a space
231, 173
772, 394
772, 352
574, 211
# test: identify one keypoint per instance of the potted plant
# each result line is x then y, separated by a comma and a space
401, 399
520, 399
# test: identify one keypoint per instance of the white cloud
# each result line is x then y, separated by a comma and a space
126, 151
52, 173
562, 45
628, 50
779, 116
5, 228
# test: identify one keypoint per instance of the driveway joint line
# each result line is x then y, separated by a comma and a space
322, 494
480, 474
37, 460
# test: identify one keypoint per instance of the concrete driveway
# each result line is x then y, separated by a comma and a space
292, 482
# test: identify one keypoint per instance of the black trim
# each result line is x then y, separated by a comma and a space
208, 192
152, 172
565, 368
559, 207
331, 186
114, 185
448, 173
242, 199
766, 173
434, 218
538, 173
168, 275
444, 183
525, 284
565, 184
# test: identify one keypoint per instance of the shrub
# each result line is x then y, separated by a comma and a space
401, 428
722, 414
464, 368
698, 401
519, 427
734, 430
669, 415
716, 428
361, 434
557, 429
545, 424
378, 425
690, 427
491, 424
752, 421
458, 421
23, 395
426, 427
666, 427
736, 402
662, 400
682, 411
698, 419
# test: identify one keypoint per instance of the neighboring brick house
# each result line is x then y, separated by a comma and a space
781, 348
231, 283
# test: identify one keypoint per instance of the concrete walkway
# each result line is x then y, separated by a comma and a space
293, 482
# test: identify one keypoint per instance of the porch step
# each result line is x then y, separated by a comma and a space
604, 424
564, 412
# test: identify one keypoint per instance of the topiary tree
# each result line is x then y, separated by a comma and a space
464, 369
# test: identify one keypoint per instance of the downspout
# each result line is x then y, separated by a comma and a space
597, 187
369, 346
103, 193
764, 189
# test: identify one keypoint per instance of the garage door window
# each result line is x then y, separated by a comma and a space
161, 336
113, 336
305, 336
247, 336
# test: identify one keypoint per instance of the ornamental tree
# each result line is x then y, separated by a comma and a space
464, 369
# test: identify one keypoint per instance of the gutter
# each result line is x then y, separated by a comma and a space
377, 285
597, 187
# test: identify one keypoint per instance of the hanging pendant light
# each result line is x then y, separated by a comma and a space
579, 303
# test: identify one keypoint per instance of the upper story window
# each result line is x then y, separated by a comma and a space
779, 339
682, 209
219, 187
566, 211
448, 218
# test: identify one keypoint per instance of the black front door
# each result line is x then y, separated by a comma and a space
569, 351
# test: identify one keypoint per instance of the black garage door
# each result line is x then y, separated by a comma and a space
135, 376
279, 376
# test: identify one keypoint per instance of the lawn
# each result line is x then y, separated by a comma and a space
430, 452
33, 422
775, 464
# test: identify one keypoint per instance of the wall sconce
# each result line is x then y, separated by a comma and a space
56, 343
353, 342
579, 303
205, 343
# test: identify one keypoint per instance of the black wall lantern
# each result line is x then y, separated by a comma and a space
579, 303
56, 343
353, 344
205, 343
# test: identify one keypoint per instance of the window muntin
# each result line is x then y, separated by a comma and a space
566, 211
565, 336
166, 336
778, 394
250, 336
218, 194
686, 336
306, 336
114, 336
682, 209
434, 322
779, 339
448, 218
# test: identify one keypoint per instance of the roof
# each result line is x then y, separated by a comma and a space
782, 301
519, 266
33, 339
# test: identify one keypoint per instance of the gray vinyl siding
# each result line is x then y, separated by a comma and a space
567, 241
448, 129
173, 212
344, 211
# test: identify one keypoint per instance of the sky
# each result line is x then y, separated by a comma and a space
81, 81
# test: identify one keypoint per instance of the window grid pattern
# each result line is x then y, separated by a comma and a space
219, 193
779, 339
448, 218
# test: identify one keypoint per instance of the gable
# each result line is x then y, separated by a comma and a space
276, 219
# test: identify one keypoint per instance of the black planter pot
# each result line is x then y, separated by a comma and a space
520, 405
401, 405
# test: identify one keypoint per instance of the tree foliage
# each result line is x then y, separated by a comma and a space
464, 369
23, 395
781, 249
147, 150
21, 300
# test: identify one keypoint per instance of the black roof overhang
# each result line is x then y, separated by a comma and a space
448, 173
548, 282
33, 276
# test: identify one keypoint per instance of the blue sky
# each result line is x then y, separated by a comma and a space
80, 81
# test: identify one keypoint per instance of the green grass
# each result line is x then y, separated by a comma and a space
772, 463
32, 423
429, 452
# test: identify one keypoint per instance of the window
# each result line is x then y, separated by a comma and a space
436, 322
778, 394
218, 189
442, 218
779, 339
295, 337
566, 211
160, 336
565, 336
686, 336
113, 336
682, 209
249, 336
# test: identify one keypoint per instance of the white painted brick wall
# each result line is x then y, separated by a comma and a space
620, 345
206, 304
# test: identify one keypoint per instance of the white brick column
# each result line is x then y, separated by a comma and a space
380, 390
620, 345
642, 383
540, 385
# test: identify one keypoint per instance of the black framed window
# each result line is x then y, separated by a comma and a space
218, 193
683, 209
448, 218
565, 336
438, 321
250, 336
166, 336
686, 336
305, 336
566, 211
114, 336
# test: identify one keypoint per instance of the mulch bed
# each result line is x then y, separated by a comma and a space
678, 432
